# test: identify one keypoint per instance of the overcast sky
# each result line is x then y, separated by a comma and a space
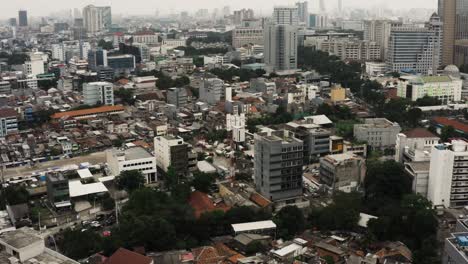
9, 8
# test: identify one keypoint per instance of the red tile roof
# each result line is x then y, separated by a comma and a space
90, 111
124, 256
419, 133
451, 122
201, 203
259, 200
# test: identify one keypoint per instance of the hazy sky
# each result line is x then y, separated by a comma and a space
9, 8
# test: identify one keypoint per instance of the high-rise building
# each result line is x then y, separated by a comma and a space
12, 22
177, 96
416, 49
285, 15
101, 93
378, 31
454, 15
96, 58
448, 177
35, 65
97, 18
171, 152
322, 6
303, 12
280, 47
281, 39
23, 18
211, 90
243, 14
340, 6
278, 163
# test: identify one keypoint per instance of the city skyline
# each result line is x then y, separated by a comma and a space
144, 7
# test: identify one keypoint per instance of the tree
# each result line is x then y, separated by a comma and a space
107, 45
126, 95
130, 180
203, 181
342, 214
428, 101
447, 133
78, 245
108, 203
385, 182
289, 221
14, 195
414, 116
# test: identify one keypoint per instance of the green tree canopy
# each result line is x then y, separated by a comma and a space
290, 221
130, 180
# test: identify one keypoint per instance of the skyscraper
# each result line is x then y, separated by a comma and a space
378, 31
340, 6
278, 165
303, 12
285, 15
97, 18
412, 48
23, 18
280, 37
280, 48
322, 6
454, 14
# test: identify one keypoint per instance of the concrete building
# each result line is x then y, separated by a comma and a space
66, 50
97, 18
177, 96
5, 87
211, 90
133, 158
455, 251
8, 121
445, 88
241, 15
101, 93
281, 40
448, 176
342, 172
352, 49
280, 47
378, 31
245, 36
374, 69
171, 151
379, 133
303, 12
285, 15
278, 165
413, 149
58, 190
416, 49
316, 140
25, 245
35, 65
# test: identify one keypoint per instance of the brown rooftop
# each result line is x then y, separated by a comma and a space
419, 133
